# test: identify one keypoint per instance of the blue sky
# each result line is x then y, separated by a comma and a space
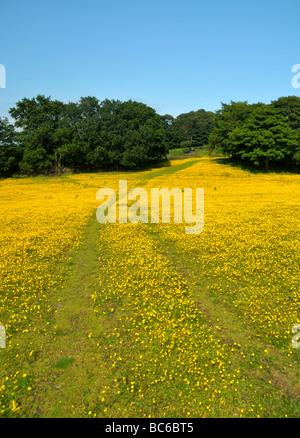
176, 56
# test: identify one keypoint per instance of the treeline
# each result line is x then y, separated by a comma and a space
49, 136
259, 134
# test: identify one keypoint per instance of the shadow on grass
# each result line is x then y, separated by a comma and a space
248, 167
155, 164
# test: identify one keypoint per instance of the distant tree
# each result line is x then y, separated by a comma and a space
10, 149
90, 135
137, 135
196, 126
289, 107
33, 113
109, 134
206, 122
264, 137
173, 133
229, 117
88, 107
38, 119
187, 122
78, 134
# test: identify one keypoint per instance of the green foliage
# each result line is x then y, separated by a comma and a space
135, 135
188, 129
195, 127
10, 151
90, 135
229, 117
38, 119
87, 135
259, 134
173, 134
290, 108
64, 362
265, 136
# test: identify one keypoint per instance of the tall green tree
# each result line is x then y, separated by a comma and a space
173, 134
10, 148
229, 117
136, 135
290, 108
109, 135
263, 138
38, 119
196, 126
78, 134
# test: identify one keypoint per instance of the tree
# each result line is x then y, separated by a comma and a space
290, 108
10, 149
78, 135
205, 125
196, 126
173, 133
135, 134
109, 134
38, 119
264, 137
33, 113
229, 117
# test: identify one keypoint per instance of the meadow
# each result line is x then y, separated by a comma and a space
143, 320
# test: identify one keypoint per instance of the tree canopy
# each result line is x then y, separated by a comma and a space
87, 135
195, 127
10, 152
259, 134
50, 136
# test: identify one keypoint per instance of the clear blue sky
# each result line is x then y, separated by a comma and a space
174, 55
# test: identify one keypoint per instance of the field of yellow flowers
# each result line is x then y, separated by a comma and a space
143, 320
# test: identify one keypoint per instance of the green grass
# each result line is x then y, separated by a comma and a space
184, 153
64, 362
64, 373
177, 152
168, 170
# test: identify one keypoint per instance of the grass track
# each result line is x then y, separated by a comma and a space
182, 342
230, 327
65, 375
137, 349
185, 164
